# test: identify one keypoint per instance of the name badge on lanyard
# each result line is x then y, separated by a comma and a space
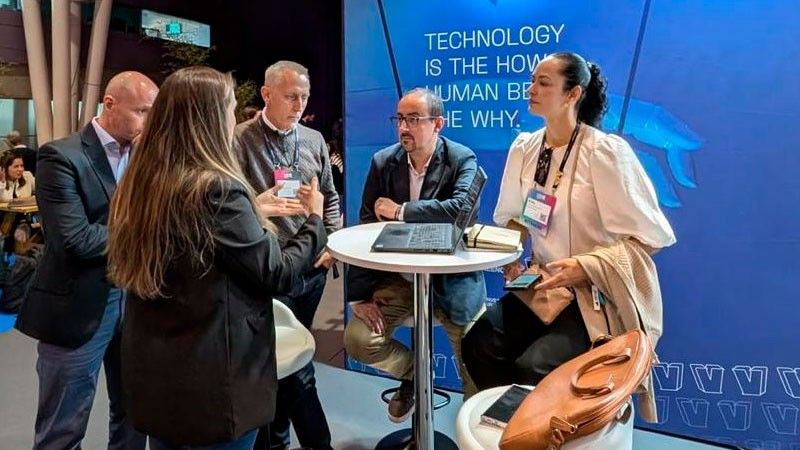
538, 208
286, 172
291, 182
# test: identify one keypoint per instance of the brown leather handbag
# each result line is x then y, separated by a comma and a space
547, 305
582, 395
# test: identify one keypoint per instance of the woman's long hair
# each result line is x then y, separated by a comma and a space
160, 211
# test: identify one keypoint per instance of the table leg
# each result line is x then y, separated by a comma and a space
422, 432
423, 380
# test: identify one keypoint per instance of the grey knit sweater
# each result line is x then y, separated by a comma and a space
250, 146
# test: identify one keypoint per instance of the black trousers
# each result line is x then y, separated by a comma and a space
509, 344
297, 401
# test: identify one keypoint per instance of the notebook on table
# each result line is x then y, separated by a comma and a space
432, 237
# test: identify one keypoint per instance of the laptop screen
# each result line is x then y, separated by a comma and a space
470, 208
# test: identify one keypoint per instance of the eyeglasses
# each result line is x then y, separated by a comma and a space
411, 121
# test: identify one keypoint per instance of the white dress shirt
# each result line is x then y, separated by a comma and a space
117, 155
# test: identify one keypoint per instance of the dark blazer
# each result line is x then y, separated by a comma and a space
444, 191
199, 366
69, 291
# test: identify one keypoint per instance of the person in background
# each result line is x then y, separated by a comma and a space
248, 112
15, 181
28, 154
71, 308
602, 198
336, 154
198, 346
273, 149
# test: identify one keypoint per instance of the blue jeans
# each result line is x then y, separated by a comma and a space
67, 385
243, 443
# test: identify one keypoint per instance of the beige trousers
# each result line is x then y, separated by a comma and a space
382, 352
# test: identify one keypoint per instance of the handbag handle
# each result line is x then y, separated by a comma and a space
603, 389
602, 339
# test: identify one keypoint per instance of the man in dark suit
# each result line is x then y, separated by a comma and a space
71, 308
423, 178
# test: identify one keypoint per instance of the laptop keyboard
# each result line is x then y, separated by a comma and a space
428, 236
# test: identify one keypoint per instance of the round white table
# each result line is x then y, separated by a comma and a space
353, 245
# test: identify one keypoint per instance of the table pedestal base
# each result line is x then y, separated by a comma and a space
401, 440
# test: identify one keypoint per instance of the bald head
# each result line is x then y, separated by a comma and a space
129, 82
126, 103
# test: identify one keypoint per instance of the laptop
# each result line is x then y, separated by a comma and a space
432, 237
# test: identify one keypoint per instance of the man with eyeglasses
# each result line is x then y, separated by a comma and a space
423, 178
277, 155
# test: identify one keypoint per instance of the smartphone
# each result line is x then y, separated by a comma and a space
500, 412
523, 282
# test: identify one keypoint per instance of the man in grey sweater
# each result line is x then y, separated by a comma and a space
277, 155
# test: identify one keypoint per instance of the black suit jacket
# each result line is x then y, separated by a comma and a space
69, 291
444, 191
199, 366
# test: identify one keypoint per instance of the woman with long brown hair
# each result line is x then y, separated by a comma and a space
188, 243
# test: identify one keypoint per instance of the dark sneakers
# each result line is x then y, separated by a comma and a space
401, 406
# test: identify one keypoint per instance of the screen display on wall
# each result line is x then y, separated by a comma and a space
706, 94
164, 26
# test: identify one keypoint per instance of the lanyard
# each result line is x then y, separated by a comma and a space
275, 156
543, 164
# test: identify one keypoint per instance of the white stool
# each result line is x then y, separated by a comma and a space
471, 434
294, 344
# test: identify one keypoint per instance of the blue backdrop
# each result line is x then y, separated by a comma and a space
707, 94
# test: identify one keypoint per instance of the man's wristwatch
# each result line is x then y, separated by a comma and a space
397, 213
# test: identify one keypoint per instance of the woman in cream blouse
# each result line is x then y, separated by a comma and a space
15, 181
589, 190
